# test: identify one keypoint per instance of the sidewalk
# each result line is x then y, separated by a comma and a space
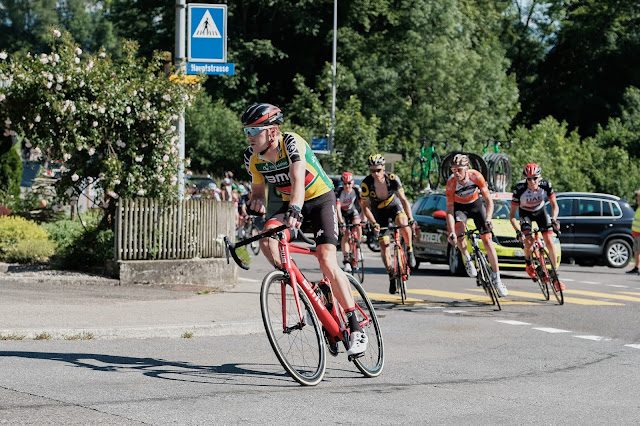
67, 305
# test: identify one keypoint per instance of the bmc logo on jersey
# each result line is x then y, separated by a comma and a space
292, 148
277, 178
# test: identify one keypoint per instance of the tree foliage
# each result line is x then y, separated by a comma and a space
110, 122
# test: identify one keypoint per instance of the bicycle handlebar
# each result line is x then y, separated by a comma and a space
392, 227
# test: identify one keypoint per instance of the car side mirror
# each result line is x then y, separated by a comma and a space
440, 214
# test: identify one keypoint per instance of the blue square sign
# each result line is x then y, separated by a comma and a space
207, 26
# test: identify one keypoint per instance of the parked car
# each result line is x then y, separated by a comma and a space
198, 185
431, 244
595, 228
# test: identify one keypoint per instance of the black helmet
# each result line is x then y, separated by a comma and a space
262, 115
375, 160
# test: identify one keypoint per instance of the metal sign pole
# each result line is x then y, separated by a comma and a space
180, 57
333, 76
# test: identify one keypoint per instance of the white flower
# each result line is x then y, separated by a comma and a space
128, 109
66, 157
102, 54
120, 143
37, 119
69, 191
167, 97
111, 193
75, 177
3, 55
89, 65
44, 60
56, 57
78, 51
140, 192
58, 119
116, 181
7, 122
94, 124
92, 151
79, 147
49, 84
58, 87
101, 110
76, 60
165, 158
2, 97
135, 93
139, 158
81, 84
56, 33
161, 179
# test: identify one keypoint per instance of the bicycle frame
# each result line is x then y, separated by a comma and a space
483, 271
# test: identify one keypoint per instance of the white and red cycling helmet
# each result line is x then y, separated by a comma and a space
532, 170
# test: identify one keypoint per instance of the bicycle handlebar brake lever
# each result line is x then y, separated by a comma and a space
230, 248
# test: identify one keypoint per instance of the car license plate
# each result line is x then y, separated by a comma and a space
518, 253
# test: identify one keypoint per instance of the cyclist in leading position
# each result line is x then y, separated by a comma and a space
383, 199
529, 197
463, 191
347, 199
286, 161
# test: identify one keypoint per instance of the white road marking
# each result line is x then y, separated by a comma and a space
590, 282
249, 280
566, 279
454, 312
619, 286
595, 338
512, 322
634, 346
551, 330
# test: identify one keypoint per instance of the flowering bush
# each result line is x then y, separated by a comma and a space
112, 124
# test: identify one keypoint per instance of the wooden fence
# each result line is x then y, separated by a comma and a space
149, 229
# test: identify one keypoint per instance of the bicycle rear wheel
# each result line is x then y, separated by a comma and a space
372, 362
300, 347
434, 171
358, 263
487, 279
255, 246
554, 282
417, 174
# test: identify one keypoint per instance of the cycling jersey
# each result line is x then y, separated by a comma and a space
529, 200
291, 149
469, 191
348, 201
394, 186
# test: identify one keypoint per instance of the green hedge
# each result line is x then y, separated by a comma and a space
24, 241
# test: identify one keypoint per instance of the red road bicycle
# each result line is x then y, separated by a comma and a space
401, 269
301, 322
355, 256
546, 274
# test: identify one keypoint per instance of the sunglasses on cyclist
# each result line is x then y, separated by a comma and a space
533, 178
457, 169
252, 131
375, 170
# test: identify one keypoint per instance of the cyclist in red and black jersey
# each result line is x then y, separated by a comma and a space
286, 161
347, 200
383, 200
529, 197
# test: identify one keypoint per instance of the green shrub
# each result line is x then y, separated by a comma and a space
23, 241
64, 232
10, 167
87, 252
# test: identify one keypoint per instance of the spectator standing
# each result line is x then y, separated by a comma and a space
635, 233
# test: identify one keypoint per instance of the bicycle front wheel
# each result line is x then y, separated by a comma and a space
487, 279
299, 346
434, 171
542, 283
359, 263
372, 362
255, 246
417, 174
400, 272
554, 282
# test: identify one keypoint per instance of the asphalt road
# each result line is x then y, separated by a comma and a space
451, 358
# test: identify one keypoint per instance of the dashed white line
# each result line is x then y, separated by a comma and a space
633, 346
619, 286
454, 312
551, 330
567, 279
595, 338
590, 282
512, 322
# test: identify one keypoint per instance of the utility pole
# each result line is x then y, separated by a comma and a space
333, 77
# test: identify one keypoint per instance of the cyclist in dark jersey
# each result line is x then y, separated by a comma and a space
286, 161
347, 201
529, 198
383, 200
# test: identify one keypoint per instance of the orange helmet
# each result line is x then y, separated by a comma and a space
460, 160
347, 177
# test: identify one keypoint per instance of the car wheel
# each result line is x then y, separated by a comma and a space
617, 253
456, 267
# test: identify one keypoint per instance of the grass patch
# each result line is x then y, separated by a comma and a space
43, 336
187, 335
12, 336
80, 336
204, 292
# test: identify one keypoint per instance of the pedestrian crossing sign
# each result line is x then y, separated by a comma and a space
207, 26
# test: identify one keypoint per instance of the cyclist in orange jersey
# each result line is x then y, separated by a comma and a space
463, 191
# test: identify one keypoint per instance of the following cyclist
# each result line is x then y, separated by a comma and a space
383, 200
347, 198
286, 161
529, 197
463, 190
